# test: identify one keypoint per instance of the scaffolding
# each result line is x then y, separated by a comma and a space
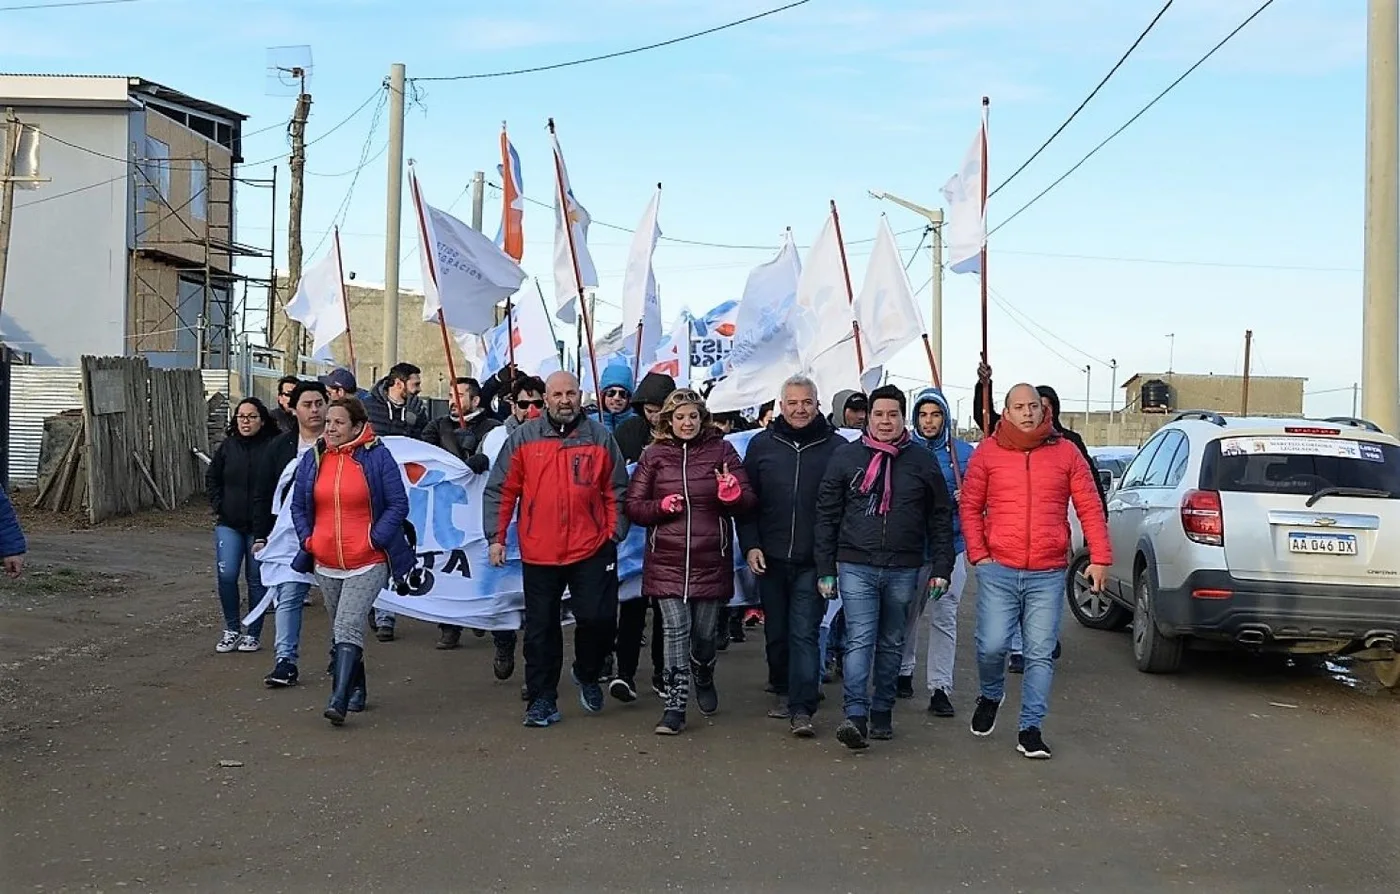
174, 252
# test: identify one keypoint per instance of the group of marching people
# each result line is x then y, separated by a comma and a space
870, 517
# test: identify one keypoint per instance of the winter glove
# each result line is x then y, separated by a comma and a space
728, 488
936, 588
826, 586
479, 463
673, 504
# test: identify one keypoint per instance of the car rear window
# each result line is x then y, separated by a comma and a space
1299, 465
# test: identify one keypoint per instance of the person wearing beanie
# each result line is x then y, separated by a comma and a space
615, 393
634, 434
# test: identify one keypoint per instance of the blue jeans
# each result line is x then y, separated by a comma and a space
290, 599
233, 551
876, 604
1031, 600
793, 613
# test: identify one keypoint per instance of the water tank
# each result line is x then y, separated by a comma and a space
1156, 396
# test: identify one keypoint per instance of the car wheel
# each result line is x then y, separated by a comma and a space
1093, 610
1387, 672
1155, 653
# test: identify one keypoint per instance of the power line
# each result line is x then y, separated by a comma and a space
1092, 93
1170, 87
343, 211
915, 256
620, 53
1008, 306
65, 4
379, 93
1183, 262
59, 195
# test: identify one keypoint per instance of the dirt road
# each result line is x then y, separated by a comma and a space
115, 713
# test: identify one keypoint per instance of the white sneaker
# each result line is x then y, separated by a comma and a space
247, 643
228, 642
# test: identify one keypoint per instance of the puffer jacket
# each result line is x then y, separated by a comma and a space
1014, 505
942, 448
389, 418
785, 465
234, 480
11, 537
634, 434
689, 554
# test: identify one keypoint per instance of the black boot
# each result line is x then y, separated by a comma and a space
706, 696
722, 630
358, 692
736, 627
347, 656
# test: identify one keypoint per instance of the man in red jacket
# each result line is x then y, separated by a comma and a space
1014, 508
568, 477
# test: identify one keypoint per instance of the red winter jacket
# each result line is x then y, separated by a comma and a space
689, 554
1014, 506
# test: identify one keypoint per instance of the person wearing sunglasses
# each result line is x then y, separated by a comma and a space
526, 401
282, 413
615, 392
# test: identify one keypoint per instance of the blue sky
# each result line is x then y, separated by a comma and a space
1235, 203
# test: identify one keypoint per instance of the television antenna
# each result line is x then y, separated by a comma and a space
288, 70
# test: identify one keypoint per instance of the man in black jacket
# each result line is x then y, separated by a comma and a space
634, 434
464, 441
785, 464
282, 413
393, 404
881, 503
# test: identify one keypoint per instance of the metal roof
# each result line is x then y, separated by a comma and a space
133, 84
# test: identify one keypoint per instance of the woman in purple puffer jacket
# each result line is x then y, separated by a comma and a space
687, 490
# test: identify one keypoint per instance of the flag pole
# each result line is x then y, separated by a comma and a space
938, 383
641, 326
345, 301
578, 274
982, 276
549, 318
850, 293
429, 251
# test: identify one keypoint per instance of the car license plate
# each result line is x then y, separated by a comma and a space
1322, 544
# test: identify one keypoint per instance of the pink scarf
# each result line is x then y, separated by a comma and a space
881, 457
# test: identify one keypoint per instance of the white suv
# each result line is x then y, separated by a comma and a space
1270, 534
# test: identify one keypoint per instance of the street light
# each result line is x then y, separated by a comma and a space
934, 216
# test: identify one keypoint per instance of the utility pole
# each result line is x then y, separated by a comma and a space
478, 199
1244, 390
1113, 400
1171, 352
1380, 315
1088, 393
1355, 398
7, 193
394, 209
291, 332
934, 216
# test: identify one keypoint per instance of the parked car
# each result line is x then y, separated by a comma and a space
1278, 535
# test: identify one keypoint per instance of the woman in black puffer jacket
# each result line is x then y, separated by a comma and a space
235, 484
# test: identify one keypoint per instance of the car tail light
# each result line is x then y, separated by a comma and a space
1201, 517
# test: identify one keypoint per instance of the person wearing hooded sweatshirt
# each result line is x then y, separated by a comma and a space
930, 429
849, 409
615, 394
882, 505
1014, 504
634, 434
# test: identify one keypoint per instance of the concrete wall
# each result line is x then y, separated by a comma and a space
1268, 395
66, 287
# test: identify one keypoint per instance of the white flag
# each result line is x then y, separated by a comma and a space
967, 209
568, 284
885, 306
822, 313
765, 346
641, 306
466, 274
319, 302
673, 354
836, 368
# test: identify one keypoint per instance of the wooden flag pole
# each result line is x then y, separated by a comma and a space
578, 274
345, 300
429, 251
938, 383
986, 386
850, 293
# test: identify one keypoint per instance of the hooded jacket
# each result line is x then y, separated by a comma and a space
943, 447
838, 407
1015, 504
388, 505
235, 480
389, 418
688, 554
463, 442
785, 466
919, 519
634, 434
617, 374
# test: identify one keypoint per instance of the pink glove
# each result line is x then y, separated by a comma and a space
728, 488
673, 504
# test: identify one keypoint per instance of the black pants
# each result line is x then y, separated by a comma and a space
592, 585
792, 613
631, 622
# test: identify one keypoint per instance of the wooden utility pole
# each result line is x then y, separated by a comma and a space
291, 334
1244, 390
7, 193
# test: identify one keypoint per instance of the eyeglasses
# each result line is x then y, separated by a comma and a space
288, 394
245, 418
529, 403
616, 392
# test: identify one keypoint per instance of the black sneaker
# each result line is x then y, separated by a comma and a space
984, 718
940, 705
1016, 664
801, 726
478, 632
623, 689
449, 637
590, 695
1029, 743
384, 634
503, 665
882, 725
904, 686
607, 672
852, 733
1056, 653
658, 685
671, 724
284, 673
542, 712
